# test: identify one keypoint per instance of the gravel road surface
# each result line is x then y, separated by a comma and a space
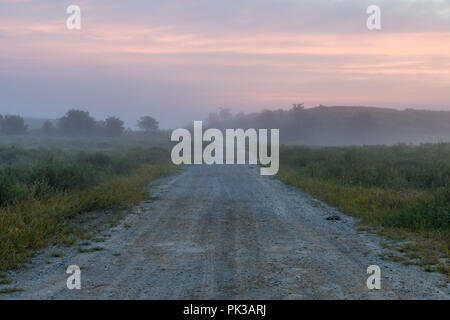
225, 232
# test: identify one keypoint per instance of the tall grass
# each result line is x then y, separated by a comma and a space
36, 174
399, 190
41, 190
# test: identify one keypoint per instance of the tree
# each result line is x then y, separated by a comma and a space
12, 124
225, 114
298, 107
77, 122
113, 126
47, 128
213, 119
148, 123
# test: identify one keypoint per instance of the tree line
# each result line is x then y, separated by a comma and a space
341, 125
76, 123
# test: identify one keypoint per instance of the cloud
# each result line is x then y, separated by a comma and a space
198, 54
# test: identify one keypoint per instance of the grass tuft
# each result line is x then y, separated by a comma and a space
10, 290
57, 254
93, 249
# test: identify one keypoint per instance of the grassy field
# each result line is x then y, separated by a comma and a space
400, 191
46, 182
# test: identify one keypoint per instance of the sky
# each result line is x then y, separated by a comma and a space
180, 60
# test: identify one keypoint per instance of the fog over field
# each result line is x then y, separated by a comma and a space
322, 125
343, 125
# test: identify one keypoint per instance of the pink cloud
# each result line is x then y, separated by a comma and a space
270, 68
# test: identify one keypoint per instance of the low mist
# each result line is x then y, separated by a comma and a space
340, 126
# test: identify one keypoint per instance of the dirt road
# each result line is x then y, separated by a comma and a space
225, 232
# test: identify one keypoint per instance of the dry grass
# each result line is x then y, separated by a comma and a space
33, 223
378, 209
